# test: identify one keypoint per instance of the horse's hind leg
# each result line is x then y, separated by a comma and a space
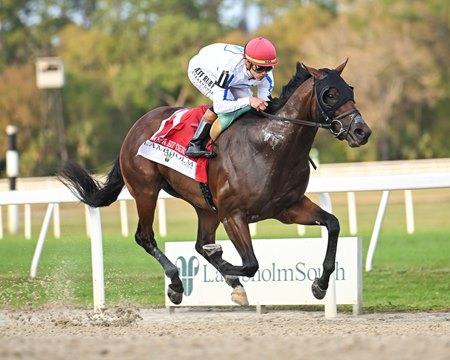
205, 245
146, 204
308, 213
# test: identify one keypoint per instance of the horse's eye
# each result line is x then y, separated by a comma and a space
330, 97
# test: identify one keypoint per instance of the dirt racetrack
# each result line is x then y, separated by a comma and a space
127, 333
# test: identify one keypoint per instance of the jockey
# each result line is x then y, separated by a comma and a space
225, 74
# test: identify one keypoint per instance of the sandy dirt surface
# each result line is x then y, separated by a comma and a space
130, 333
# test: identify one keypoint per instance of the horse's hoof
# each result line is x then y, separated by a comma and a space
239, 296
174, 296
317, 291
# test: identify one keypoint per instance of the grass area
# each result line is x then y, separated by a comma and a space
411, 272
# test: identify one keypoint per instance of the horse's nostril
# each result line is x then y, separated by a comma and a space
359, 132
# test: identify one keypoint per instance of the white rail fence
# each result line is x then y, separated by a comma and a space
318, 185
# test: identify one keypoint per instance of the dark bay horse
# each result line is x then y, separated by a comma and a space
261, 171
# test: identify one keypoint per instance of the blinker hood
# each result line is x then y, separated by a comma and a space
332, 80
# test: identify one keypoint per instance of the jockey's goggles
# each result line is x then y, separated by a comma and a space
260, 69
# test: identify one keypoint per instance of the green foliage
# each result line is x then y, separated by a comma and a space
397, 74
20, 105
123, 58
14, 33
157, 76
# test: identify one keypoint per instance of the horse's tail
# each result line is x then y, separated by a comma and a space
89, 190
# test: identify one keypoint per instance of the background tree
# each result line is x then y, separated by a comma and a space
395, 72
14, 32
124, 57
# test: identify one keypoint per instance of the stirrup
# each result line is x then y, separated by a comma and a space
194, 152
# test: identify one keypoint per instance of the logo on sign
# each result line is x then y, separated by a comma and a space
188, 270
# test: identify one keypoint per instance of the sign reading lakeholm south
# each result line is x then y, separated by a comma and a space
287, 268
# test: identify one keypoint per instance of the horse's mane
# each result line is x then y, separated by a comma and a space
299, 78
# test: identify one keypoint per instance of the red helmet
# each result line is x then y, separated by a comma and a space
260, 51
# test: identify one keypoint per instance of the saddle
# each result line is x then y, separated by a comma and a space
168, 145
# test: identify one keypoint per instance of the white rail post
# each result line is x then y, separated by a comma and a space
252, 228
27, 221
1, 223
87, 218
330, 297
352, 222
41, 241
301, 230
56, 222
124, 218
98, 281
376, 229
162, 217
409, 208
13, 218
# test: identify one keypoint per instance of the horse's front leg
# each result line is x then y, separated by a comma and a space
308, 213
238, 231
212, 252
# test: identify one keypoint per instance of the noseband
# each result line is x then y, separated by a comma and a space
340, 127
326, 118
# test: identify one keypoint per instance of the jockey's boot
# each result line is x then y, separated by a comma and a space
198, 143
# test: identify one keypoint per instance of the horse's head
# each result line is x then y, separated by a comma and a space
335, 106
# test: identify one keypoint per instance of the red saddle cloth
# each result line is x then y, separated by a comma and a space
168, 145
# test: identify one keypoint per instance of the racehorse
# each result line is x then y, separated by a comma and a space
261, 171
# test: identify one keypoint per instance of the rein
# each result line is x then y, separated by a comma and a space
327, 125
296, 121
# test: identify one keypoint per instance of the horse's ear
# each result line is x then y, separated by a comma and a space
341, 67
314, 72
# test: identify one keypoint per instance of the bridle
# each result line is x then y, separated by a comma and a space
326, 118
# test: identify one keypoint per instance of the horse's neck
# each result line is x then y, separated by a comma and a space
300, 105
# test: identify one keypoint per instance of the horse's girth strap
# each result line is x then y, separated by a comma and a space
208, 196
